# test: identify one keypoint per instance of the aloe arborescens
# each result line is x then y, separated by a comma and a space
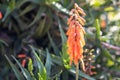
75, 33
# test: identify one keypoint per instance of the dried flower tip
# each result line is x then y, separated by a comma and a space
81, 21
89, 59
83, 65
79, 9
81, 12
76, 5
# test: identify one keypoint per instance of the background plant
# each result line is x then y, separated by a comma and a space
41, 23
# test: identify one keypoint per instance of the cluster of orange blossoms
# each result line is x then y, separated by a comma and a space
75, 35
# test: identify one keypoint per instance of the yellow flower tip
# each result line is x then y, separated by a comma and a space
75, 5
83, 65
80, 10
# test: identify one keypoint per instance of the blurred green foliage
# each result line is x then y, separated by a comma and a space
37, 28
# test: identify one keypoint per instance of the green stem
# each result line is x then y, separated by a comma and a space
77, 71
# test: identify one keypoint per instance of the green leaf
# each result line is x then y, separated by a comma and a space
21, 23
48, 63
8, 11
40, 65
30, 68
65, 75
49, 21
56, 50
10, 8
21, 2
64, 38
67, 4
57, 60
50, 1
109, 8
40, 29
16, 71
40, 77
110, 63
81, 74
106, 53
2, 41
97, 3
97, 29
65, 56
38, 15
27, 9
30, 65
24, 71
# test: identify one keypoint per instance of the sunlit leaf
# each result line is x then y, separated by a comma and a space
40, 77
30, 68
110, 62
65, 56
110, 8
30, 65
97, 29
97, 3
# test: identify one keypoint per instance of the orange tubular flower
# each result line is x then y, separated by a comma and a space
75, 35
